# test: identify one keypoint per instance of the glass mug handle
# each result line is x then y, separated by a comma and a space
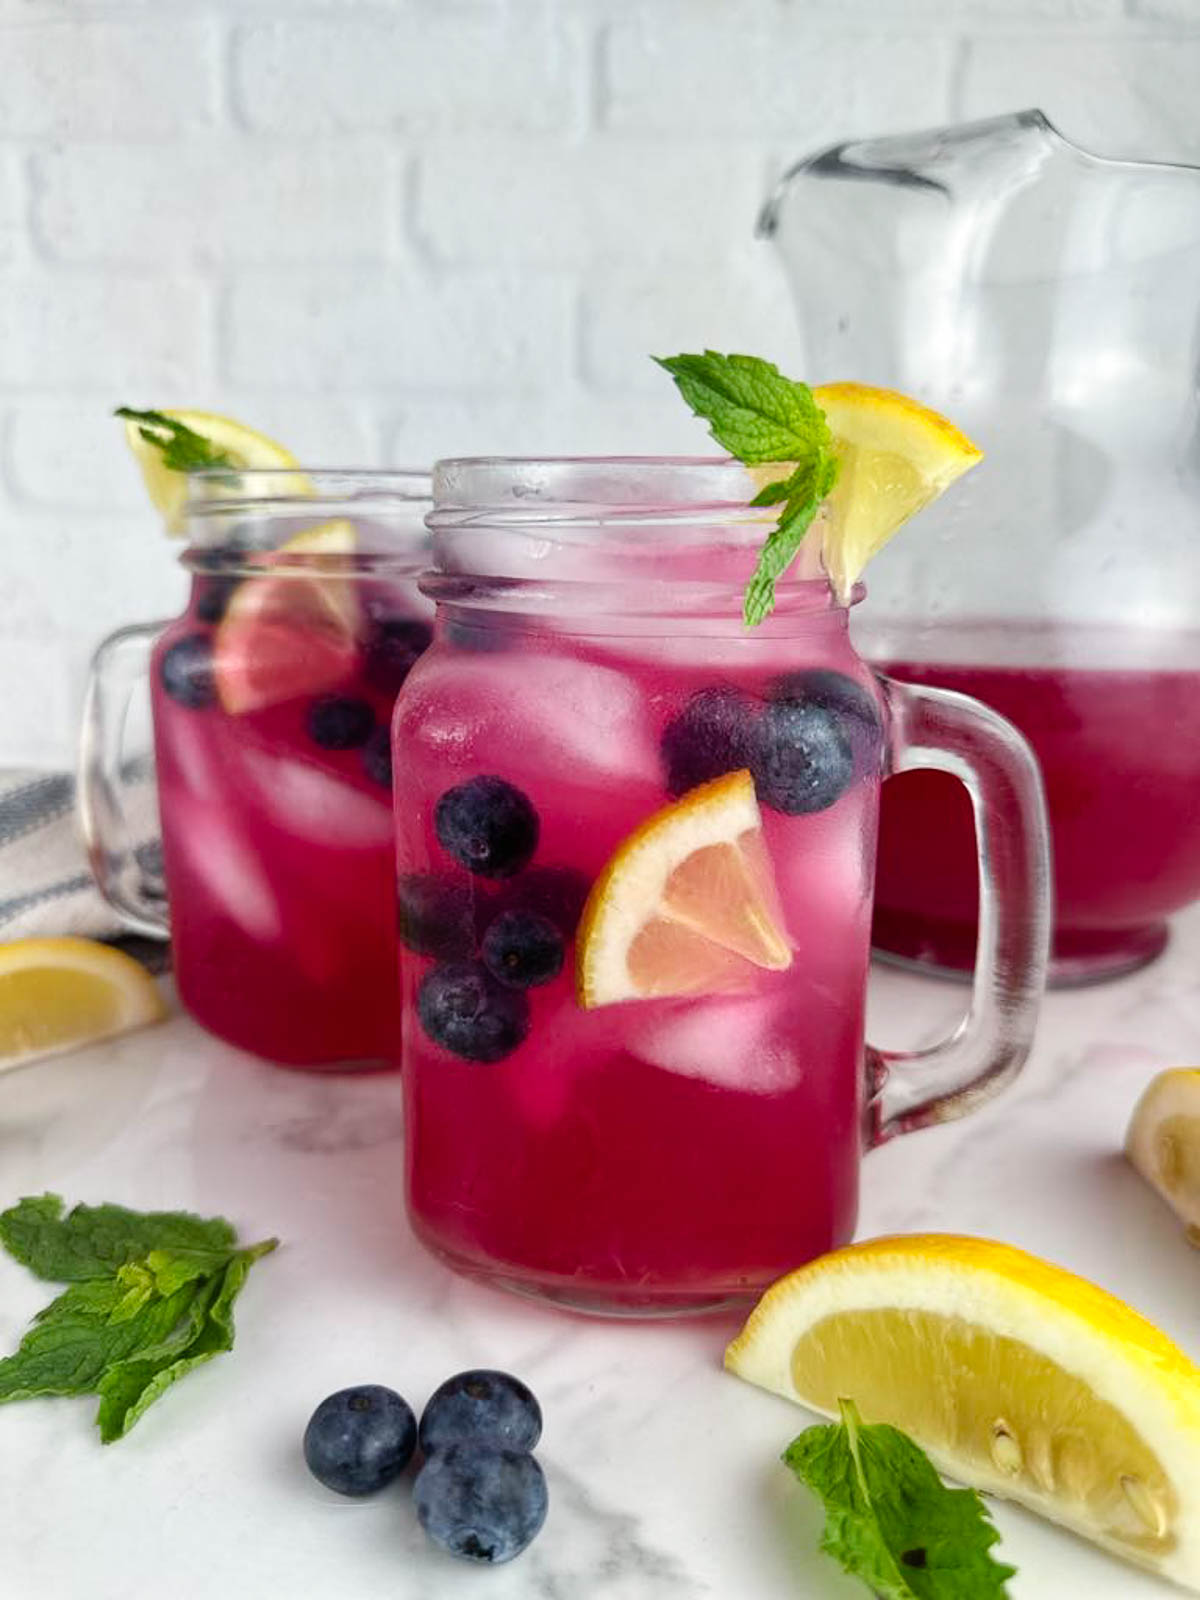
951, 732
137, 896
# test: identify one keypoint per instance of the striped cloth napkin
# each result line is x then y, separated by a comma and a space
46, 887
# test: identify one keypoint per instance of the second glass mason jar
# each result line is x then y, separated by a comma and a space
272, 697
636, 847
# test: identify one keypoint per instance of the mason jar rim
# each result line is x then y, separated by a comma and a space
317, 488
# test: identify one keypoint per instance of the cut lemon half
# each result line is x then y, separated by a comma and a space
1163, 1142
245, 448
686, 905
56, 994
294, 630
895, 456
1014, 1375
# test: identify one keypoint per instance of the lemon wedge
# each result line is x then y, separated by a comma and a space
686, 905
168, 489
1163, 1142
292, 631
1014, 1375
895, 456
56, 994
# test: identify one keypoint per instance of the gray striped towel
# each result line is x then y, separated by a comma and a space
46, 887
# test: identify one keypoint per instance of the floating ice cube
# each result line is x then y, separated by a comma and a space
553, 713
228, 868
734, 1043
312, 803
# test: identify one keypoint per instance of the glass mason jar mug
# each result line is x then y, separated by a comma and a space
272, 696
636, 846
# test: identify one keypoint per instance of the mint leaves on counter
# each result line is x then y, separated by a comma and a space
181, 447
150, 1297
758, 415
889, 1518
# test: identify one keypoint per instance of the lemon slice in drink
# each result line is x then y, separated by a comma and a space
1014, 1375
686, 905
1163, 1142
294, 630
895, 456
246, 449
56, 994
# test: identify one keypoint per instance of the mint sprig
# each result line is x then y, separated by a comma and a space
759, 416
182, 448
150, 1297
889, 1518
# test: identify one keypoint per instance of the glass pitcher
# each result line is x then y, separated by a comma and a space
636, 845
272, 697
1047, 300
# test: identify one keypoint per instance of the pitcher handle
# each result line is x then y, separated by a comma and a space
952, 732
131, 888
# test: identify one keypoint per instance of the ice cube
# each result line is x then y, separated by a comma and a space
315, 804
554, 714
228, 868
732, 1042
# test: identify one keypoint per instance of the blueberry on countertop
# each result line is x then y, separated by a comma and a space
435, 918
186, 671
358, 1440
488, 826
712, 735
339, 722
463, 1008
479, 1503
523, 949
481, 1406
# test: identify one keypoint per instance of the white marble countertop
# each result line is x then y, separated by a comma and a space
663, 1470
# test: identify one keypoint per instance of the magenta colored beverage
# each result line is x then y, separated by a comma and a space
1114, 717
686, 1149
636, 846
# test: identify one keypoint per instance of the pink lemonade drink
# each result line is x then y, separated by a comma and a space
636, 846
1114, 717
272, 699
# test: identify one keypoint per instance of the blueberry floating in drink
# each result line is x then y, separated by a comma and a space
488, 826
523, 949
358, 1440
186, 672
465, 1010
436, 918
803, 758
712, 735
339, 722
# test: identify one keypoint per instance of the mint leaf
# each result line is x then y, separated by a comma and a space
758, 415
151, 1297
889, 1518
181, 447
130, 1387
93, 1241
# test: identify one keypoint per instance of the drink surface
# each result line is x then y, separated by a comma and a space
276, 821
1114, 718
656, 1152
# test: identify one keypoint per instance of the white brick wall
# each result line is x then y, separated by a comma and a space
385, 230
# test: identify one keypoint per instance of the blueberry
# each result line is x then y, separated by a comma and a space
804, 759
464, 1009
522, 949
358, 1440
481, 1407
712, 735
186, 671
337, 722
488, 826
212, 597
479, 1503
834, 690
377, 757
393, 647
436, 918
558, 893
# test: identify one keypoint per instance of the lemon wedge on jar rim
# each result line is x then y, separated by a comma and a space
1014, 1375
57, 994
895, 456
245, 448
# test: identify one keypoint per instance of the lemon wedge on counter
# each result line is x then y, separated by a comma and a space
895, 456
56, 994
168, 489
687, 903
1014, 1375
1163, 1142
